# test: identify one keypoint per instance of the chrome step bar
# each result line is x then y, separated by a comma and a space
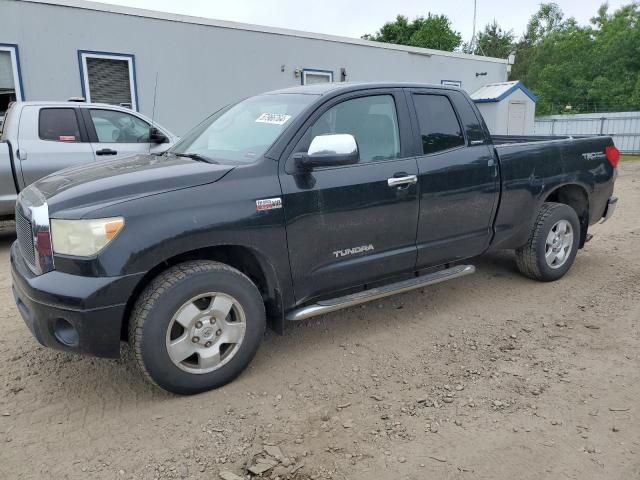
334, 304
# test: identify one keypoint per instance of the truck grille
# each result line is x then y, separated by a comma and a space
24, 232
33, 230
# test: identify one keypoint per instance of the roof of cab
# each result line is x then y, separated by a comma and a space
68, 103
324, 88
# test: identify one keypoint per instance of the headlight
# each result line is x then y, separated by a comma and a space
84, 238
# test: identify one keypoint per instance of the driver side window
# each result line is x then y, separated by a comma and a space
119, 127
371, 120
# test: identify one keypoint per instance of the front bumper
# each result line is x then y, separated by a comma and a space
70, 312
611, 207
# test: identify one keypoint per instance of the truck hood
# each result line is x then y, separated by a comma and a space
82, 189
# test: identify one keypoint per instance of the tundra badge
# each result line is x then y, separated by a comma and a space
352, 251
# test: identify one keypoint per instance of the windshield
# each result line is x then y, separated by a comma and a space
243, 132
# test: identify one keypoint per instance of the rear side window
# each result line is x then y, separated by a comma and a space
439, 126
59, 125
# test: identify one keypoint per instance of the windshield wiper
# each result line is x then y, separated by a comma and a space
195, 156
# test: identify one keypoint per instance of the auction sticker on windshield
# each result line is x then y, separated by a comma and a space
273, 118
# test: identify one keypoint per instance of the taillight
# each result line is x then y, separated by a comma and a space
613, 155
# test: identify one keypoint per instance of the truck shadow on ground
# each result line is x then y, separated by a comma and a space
279, 356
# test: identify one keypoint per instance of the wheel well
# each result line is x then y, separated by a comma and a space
242, 258
577, 198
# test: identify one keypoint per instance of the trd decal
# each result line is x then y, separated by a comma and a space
594, 156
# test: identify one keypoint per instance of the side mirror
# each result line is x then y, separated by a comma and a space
329, 151
156, 136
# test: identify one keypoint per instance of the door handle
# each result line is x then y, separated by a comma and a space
106, 151
22, 155
402, 181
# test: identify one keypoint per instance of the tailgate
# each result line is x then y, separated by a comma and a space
8, 192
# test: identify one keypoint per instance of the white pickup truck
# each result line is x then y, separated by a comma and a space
39, 138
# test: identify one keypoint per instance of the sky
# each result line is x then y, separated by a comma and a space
354, 18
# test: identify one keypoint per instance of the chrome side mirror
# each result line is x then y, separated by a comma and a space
328, 151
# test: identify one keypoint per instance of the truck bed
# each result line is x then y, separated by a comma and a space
531, 167
509, 139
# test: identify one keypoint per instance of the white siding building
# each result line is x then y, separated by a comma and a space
54, 50
508, 108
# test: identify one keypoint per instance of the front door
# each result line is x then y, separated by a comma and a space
458, 179
117, 134
347, 226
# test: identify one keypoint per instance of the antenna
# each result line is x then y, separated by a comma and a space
475, 10
153, 114
473, 35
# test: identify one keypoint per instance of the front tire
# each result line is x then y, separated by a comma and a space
553, 244
197, 326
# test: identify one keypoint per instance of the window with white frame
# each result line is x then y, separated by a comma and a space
109, 78
310, 76
10, 84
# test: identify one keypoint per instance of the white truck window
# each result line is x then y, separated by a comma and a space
119, 127
59, 125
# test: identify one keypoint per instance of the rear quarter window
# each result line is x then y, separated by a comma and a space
58, 125
439, 126
471, 122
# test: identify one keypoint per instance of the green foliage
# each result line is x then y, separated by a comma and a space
575, 68
434, 31
493, 42
588, 68
547, 20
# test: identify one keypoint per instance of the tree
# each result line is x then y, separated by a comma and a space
616, 71
547, 20
592, 68
494, 42
433, 31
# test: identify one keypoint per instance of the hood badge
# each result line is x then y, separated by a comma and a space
268, 204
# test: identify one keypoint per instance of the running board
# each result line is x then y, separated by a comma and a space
334, 304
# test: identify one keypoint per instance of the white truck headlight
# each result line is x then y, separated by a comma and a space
84, 238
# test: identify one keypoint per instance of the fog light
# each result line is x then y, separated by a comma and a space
66, 333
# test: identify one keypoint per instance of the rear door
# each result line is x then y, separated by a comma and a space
50, 139
346, 226
458, 177
118, 134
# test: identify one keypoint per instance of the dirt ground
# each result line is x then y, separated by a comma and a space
491, 376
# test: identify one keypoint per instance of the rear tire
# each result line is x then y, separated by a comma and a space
197, 326
553, 244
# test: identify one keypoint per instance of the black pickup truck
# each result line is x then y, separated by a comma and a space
287, 205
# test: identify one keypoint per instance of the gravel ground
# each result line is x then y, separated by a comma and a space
491, 376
